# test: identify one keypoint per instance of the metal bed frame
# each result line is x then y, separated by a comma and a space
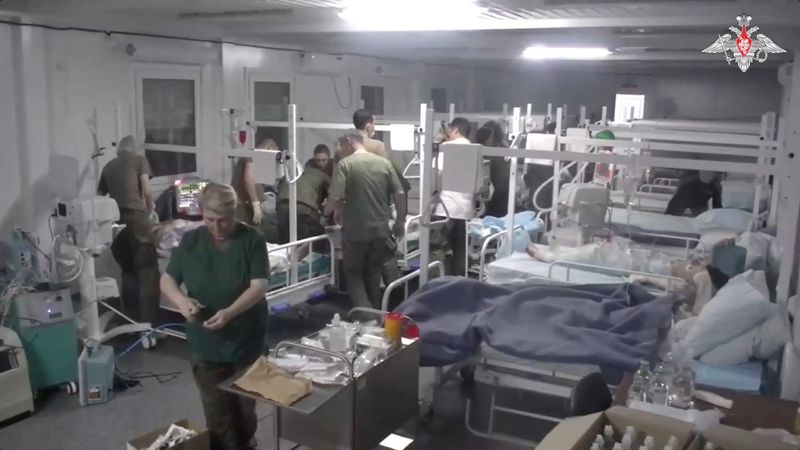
308, 286
772, 155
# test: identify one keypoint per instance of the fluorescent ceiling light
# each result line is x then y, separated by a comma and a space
539, 52
410, 15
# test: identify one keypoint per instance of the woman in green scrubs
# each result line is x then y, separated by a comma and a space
223, 266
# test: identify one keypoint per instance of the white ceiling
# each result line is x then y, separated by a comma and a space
649, 32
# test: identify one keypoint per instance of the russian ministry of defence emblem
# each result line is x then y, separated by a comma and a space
740, 46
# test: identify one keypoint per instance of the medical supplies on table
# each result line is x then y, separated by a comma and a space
358, 396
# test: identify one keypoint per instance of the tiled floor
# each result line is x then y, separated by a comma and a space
61, 424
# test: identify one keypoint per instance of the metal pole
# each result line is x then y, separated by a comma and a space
556, 170
583, 115
452, 115
775, 198
790, 193
549, 112
604, 115
426, 185
516, 128
291, 172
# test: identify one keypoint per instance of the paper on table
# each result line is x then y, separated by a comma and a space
272, 383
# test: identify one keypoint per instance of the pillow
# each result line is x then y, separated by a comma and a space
757, 246
713, 236
739, 194
732, 219
737, 308
762, 342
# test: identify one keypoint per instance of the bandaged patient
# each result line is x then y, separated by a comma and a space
615, 254
698, 277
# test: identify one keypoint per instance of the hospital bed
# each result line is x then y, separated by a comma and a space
499, 370
314, 274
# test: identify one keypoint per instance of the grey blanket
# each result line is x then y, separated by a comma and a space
613, 326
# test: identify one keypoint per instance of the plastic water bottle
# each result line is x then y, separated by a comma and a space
338, 335
649, 443
682, 391
627, 441
596, 447
672, 442
659, 386
608, 435
600, 442
641, 383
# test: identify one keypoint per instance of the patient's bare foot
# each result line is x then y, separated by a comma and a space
531, 251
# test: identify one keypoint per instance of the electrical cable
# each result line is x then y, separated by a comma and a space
349, 93
146, 335
50, 225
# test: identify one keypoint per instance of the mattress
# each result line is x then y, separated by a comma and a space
319, 265
639, 224
520, 267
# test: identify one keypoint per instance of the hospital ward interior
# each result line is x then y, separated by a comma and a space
400, 224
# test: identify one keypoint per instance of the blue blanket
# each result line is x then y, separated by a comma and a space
613, 326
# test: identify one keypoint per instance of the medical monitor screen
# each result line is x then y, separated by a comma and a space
188, 197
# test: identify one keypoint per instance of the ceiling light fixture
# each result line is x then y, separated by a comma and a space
410, 15
540, 52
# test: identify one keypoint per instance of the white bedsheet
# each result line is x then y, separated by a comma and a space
653, 222
519, 267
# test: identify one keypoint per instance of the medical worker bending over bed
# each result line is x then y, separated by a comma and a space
223, 266
693, 194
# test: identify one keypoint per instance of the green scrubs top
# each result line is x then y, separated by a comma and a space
216, 278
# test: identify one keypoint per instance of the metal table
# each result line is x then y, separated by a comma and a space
358, 415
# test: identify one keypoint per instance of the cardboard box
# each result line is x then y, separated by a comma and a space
578, 433
199, 442
729, 438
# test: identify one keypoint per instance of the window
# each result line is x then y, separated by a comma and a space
169, 112
372, 98
439, 100
271, 101
168, 117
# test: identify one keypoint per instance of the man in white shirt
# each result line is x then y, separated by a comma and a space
460, 206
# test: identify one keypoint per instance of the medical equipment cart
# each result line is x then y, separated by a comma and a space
358, 415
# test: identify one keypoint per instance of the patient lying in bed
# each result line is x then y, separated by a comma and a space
615, 254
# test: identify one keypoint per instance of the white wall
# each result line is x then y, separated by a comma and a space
52, 82
723, 93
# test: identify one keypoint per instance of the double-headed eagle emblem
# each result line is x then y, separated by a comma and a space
739, 45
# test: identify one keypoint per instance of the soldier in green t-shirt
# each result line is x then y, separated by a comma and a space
224, 268
361, 194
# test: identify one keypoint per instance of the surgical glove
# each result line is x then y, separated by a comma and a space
257, 214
